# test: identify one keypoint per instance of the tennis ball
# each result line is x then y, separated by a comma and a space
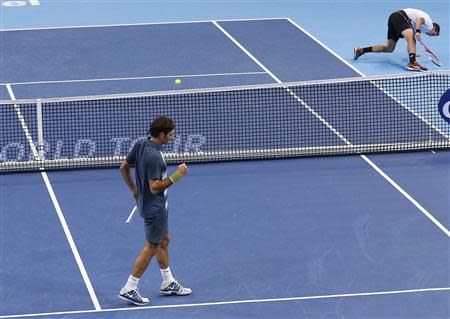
177, 81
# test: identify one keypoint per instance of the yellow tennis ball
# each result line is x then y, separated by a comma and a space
177, 81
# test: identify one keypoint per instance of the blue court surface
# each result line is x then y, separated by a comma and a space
327, 237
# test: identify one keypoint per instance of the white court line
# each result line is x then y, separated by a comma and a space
325, 47
405, 194
234, 302
329, 126
246, 52
137, 24
57, 207
137, 78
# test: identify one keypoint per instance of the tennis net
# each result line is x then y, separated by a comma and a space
346, 116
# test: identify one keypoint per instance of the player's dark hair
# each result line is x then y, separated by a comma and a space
162, 124
437, 28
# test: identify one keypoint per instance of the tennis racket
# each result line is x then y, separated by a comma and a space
433, 58
130, 217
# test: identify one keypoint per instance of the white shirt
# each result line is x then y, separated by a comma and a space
413, 14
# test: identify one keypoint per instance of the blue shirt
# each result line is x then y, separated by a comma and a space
146, 156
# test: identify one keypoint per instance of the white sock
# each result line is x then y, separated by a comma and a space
167, 274
132, 283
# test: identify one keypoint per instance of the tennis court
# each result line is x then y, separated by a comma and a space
317, 237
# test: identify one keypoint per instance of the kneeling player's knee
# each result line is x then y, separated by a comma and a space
390, 46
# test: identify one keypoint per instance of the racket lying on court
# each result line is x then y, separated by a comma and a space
433, 58
130, 217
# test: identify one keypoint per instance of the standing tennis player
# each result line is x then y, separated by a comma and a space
407, 24
150, 192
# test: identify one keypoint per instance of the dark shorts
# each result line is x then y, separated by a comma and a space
397, 23
156, 227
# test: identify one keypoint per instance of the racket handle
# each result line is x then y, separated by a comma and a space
130, 217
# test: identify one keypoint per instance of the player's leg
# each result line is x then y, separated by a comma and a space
153, 235
162, 253
130, 291
413, 65
389, 47
143, 259
154, 232
169, 285
408, 34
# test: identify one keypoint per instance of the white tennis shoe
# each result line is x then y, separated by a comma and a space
174, 288
133, 296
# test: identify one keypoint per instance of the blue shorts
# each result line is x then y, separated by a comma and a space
156, 227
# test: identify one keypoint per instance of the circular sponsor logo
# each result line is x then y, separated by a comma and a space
444, 106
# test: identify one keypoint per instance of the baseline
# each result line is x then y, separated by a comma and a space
234, 302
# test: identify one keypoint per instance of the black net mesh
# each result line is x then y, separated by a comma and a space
353, 116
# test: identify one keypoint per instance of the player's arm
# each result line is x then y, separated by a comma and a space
158, 186
126, 174
419, 23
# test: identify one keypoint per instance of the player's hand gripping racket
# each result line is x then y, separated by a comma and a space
130, 217
433, 58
